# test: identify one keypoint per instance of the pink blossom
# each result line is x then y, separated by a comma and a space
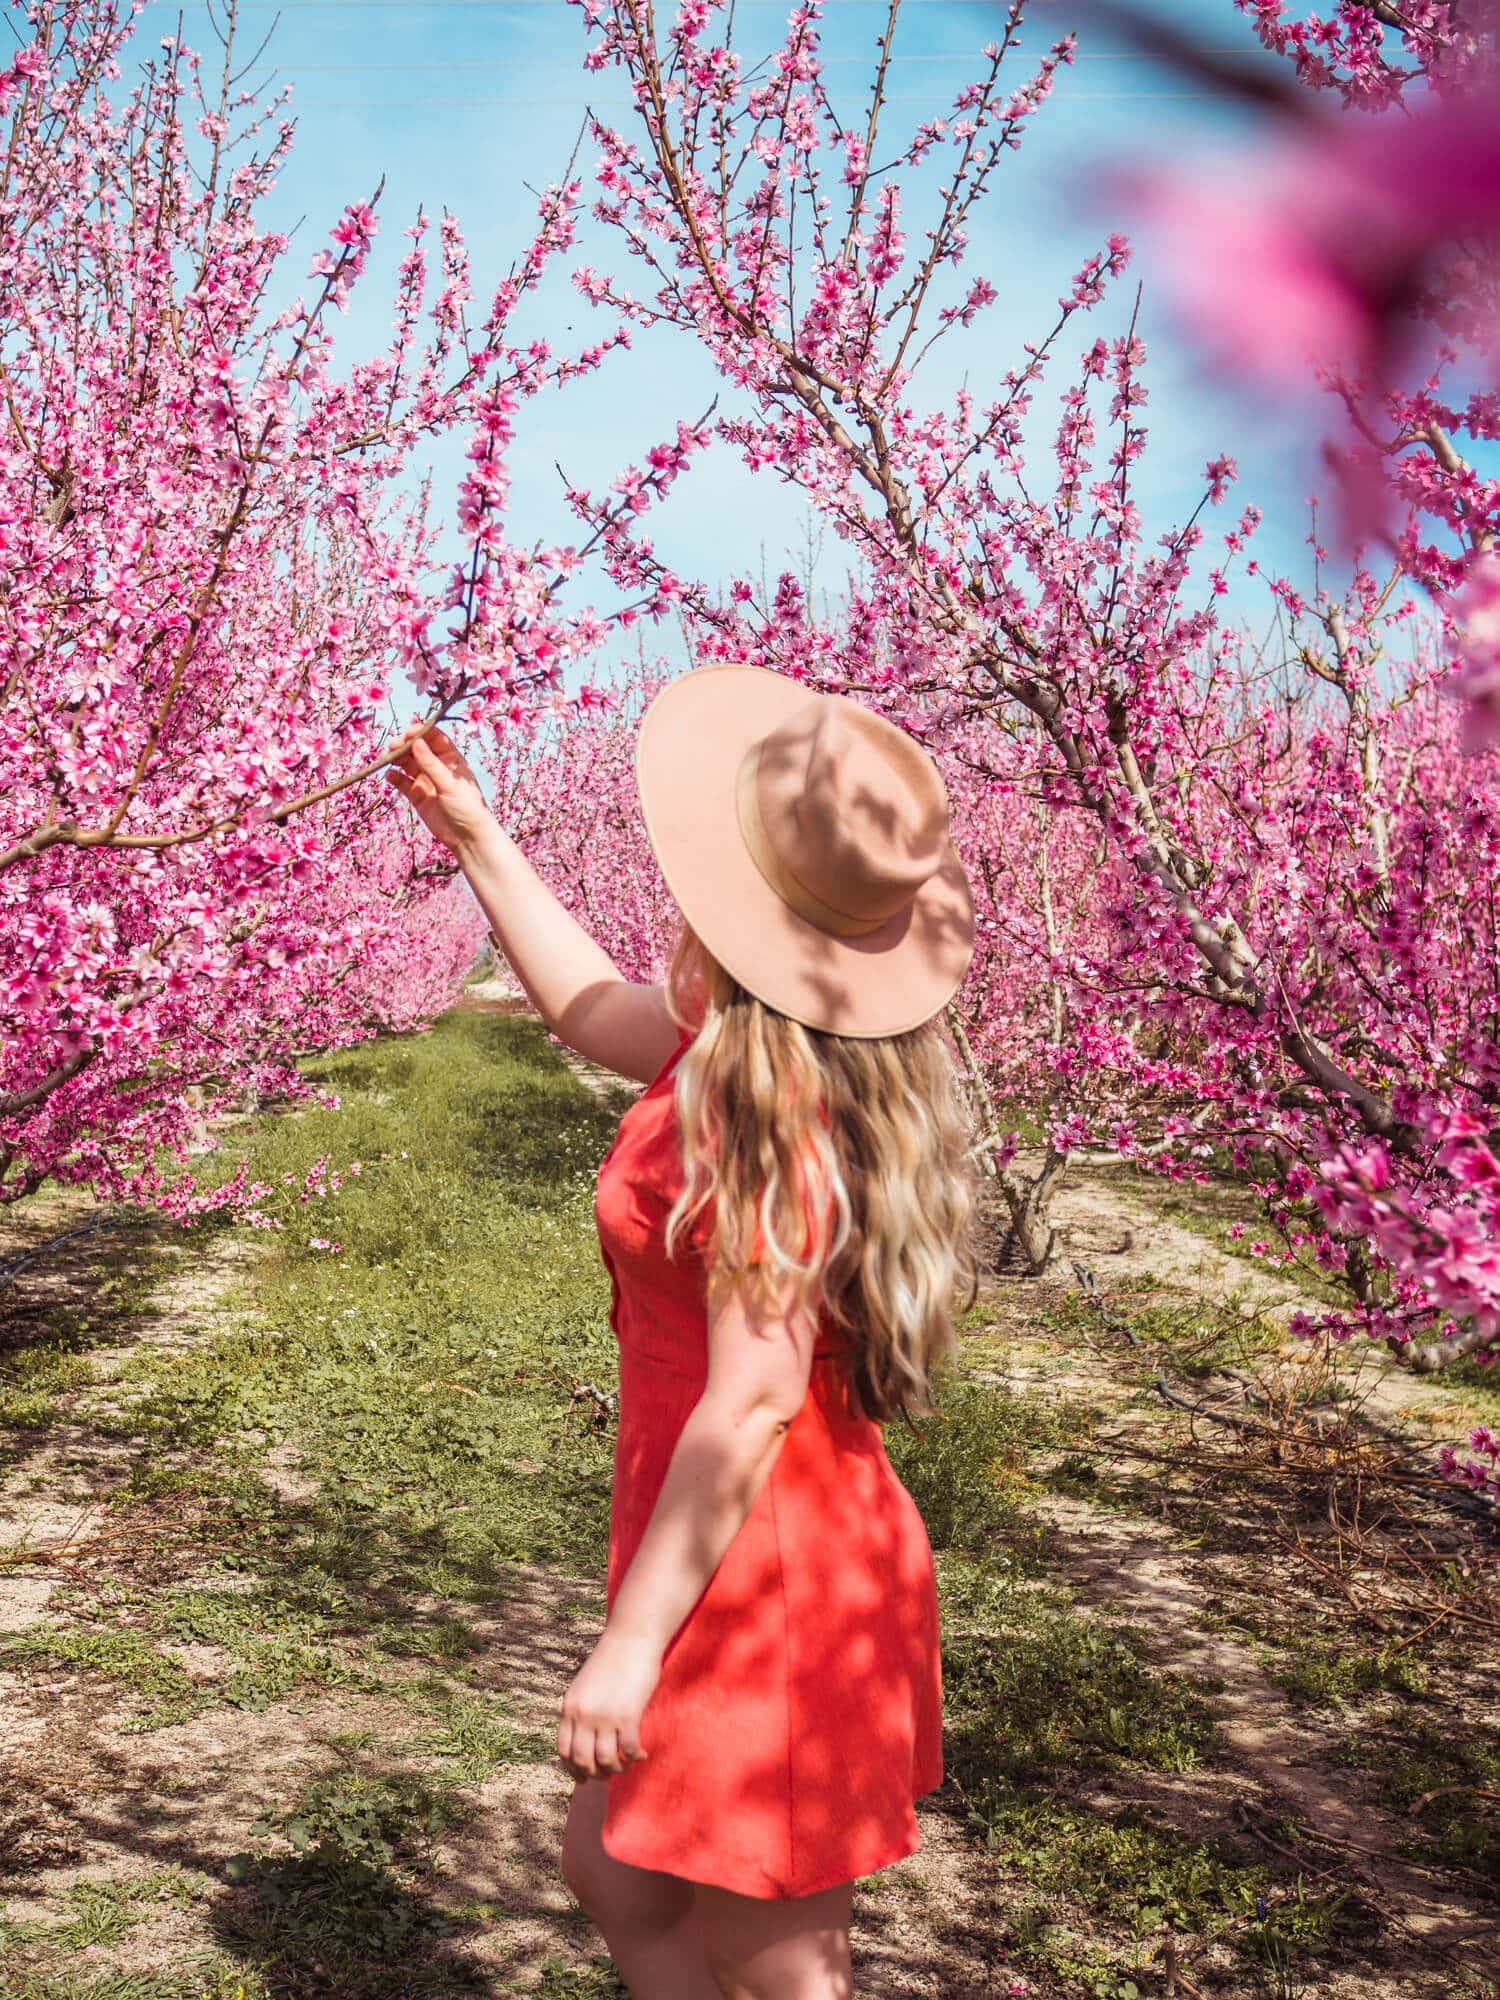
1311, 252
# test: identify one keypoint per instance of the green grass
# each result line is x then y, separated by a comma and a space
1104, 1890
1478, 1382
220, 1979
1226, 1204
1324, 1673
424, 1370
1034, 1689
332, 1897
596, 1981
101, 1913
474, 1736
423, 1376
52, 1360
967, 1465
416, 1387
1043, 1699
1194, 1336
49, 1354
161, 1689
32, 1379
1061, 1693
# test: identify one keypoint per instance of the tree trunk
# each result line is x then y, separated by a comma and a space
1029, 1200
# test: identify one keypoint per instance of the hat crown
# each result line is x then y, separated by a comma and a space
851, 810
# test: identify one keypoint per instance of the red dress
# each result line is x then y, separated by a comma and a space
799, 1709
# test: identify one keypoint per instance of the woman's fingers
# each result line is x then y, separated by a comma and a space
575, 1747
607, 1750
582, 1752
596, 1753
427, 761
401, 747
598, 1745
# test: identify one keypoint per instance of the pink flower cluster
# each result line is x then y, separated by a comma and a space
1481, 1473
568, 792
1476, 612
1370, 54
1361, 254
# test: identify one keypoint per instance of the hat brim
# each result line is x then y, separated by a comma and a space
693, 738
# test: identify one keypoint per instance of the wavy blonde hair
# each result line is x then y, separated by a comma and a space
847, 1158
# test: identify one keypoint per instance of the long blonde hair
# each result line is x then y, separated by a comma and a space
785, 1127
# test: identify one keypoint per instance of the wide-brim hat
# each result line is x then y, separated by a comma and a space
806, 841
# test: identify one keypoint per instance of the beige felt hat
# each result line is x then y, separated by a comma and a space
806, 842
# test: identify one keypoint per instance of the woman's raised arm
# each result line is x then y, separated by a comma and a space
573, 984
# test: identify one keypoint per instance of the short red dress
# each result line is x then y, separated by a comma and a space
799, 1710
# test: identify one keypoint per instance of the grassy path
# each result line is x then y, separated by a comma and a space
299, 1546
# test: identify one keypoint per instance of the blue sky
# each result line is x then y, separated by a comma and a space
461, 105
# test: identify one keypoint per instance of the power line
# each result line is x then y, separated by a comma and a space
898, 61
584, 103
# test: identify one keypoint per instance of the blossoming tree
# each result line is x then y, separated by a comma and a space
1274, 882
215, 566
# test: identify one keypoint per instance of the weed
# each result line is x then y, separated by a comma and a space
596, 1981
1321, 1672
32, 1379
1062, 1694
125, 1659
365, 1819
1443, 1782
1199, 1336
337, 1894
475, 1737
965, 1465
215, 1980
1138, 1875
1478, 1381
278, 1665
104, 1912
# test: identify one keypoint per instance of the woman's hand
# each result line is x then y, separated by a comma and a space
600, 1730
433, 775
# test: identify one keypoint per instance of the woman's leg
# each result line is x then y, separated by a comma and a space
792, 1950
650, 1921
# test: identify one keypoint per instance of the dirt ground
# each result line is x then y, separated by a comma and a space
85, 1797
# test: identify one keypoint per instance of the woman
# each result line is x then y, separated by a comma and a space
784, 1216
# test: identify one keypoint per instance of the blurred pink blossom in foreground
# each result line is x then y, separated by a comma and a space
1316, 248
1324, 256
